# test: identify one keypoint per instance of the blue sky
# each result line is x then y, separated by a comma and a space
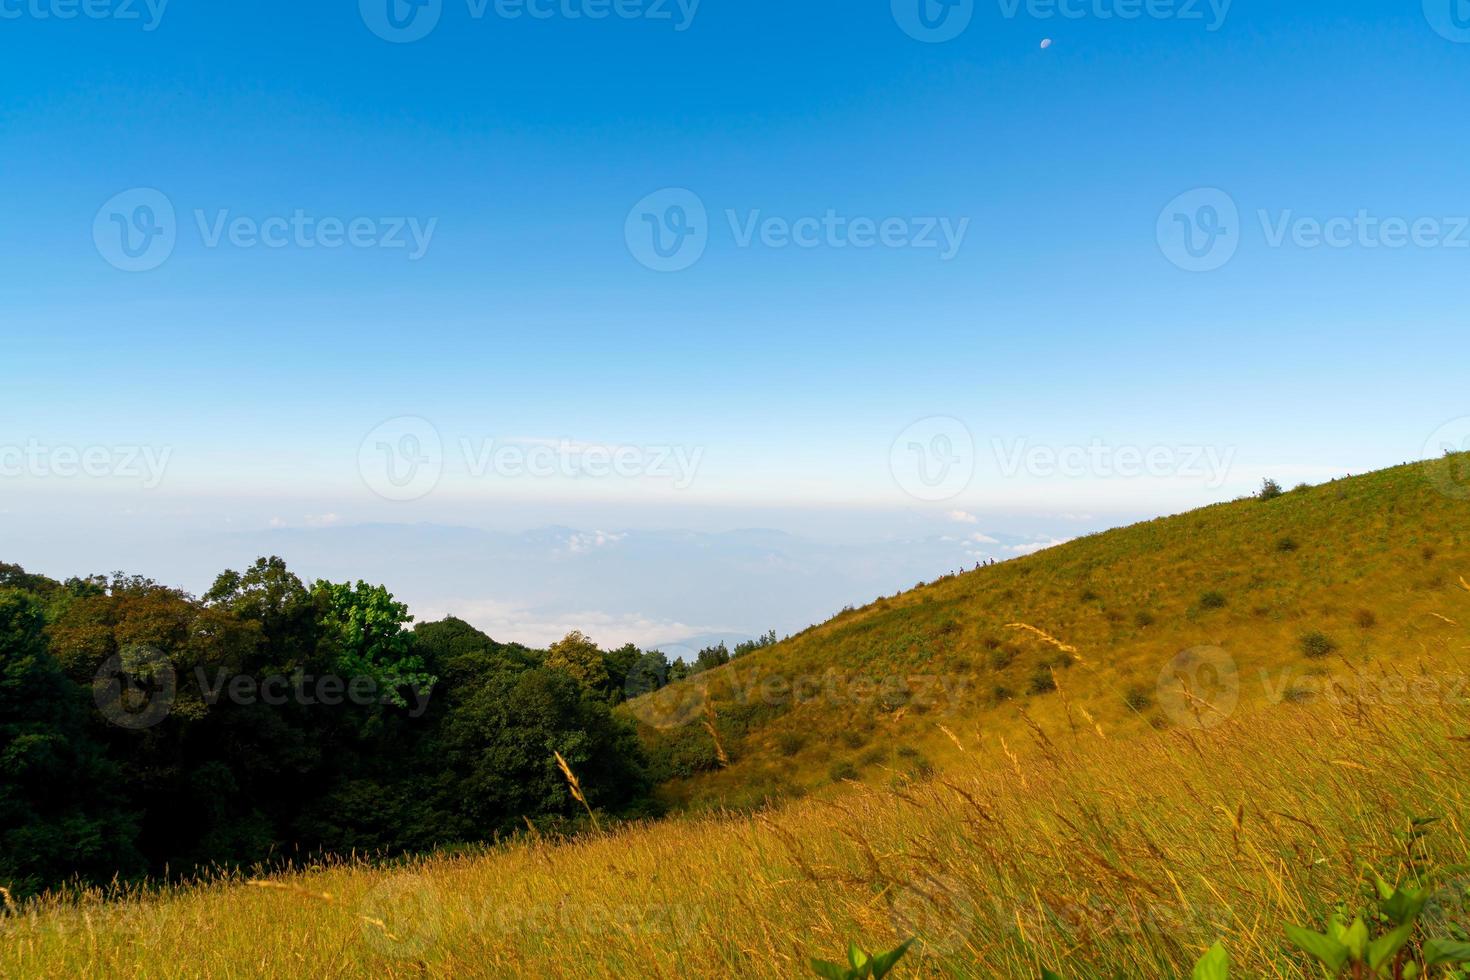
524, 145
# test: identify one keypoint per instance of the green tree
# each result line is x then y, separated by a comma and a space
578, 658
59, 816
364, 625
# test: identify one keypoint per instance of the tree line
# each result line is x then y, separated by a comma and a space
148, 732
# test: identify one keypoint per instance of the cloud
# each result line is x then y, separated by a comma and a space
962, 517
515, 623
581, 543
983, 539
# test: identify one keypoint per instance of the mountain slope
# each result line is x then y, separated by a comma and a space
1322, 592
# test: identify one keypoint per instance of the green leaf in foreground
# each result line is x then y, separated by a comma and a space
1333, 954
1438, 951
1215, 965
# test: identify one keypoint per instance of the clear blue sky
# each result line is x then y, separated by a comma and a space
528, 141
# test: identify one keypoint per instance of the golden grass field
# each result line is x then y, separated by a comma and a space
1066, 828
1095, 856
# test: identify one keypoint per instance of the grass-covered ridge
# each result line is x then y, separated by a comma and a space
1296, 593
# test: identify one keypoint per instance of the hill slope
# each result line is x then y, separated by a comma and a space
1101, 859
1178, 621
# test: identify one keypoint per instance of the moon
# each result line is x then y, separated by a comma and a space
1046, 43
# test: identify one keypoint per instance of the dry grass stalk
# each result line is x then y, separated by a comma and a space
576, 787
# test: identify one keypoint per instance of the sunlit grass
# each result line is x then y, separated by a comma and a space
1091, 855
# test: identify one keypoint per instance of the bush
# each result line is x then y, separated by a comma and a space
1317, 644
1212, 600
842, 771
1143, 619
1270, 490
790, 743
1287, 544
1366, 619
1138, 698
1042, 682
1001, 659
1089, 596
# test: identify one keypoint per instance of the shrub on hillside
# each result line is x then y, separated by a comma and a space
1270, 490
1212, 600
1366, 619
1287, 544
1042, 682
790, 743
1143, 619
1317, 644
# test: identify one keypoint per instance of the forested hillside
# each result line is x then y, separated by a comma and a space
144, 731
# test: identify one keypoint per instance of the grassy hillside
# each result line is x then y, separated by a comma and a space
1093, 856
1247, 603
1110, 823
